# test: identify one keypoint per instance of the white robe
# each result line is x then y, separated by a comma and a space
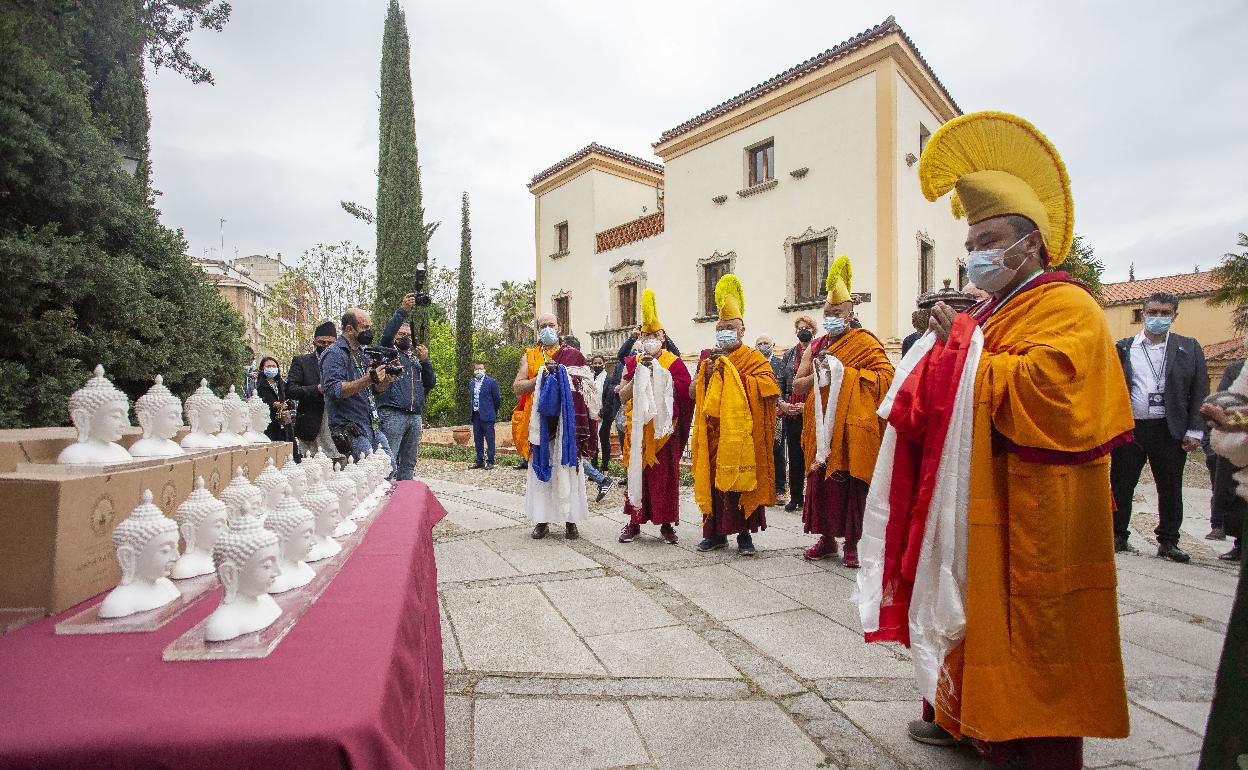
563, 498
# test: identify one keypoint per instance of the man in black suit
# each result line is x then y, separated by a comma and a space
1167, 378
303, 383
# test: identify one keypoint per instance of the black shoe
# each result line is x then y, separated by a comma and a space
623, 482
489, 466
745, 544
476, 466
713, 543
523, 465
540, 531
794, 505
1231, 555
1122, 545
570, 532
1216, 533
604, 487
1172, 552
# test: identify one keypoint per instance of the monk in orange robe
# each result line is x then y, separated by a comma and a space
1038, 665
840, 429
735, 393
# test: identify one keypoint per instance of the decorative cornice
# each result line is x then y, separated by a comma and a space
799, 173
638, 229
560, 254
608, 159
758, 188
623, 263
719, 199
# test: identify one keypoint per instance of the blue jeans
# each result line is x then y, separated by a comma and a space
483, 438
593, 473
367, 443
402, 430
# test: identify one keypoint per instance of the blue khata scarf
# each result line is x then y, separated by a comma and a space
554, 404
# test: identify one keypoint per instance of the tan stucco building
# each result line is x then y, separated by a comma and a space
818, 161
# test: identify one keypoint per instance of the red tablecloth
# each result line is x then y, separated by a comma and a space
357, 682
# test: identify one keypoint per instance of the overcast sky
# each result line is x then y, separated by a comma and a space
1147, 102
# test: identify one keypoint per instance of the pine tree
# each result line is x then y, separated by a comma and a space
463, 323
402, 237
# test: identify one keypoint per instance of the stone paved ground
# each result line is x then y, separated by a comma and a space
593, 654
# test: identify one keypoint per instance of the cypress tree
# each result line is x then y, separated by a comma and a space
463, 322
401, 233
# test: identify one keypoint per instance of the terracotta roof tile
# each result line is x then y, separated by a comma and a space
643, 227
880, 30
1226, 350
595, 147
1184, 285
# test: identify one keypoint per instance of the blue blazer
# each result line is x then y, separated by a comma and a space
490, 400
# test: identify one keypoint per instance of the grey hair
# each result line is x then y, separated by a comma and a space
1162, 298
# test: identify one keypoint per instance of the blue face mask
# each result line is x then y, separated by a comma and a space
1158, 324
986, 269
726, 338
833, 325
479, 373
271, 371
548, 336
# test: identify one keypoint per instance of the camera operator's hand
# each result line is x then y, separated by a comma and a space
422, 352
409, 302
636, 332
381, 377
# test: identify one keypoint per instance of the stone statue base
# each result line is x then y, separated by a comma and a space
156, 447
195, 440
230, 439
93, 453
241, 616
324, 548
193, 564
138, 596
255, 437
345, 527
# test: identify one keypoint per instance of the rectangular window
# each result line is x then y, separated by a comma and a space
563, 315
561, 237
711, 274
810, 270
762, 163
924, 135
1137, 316
628, 305
927, 267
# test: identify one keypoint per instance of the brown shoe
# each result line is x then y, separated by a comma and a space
930, 733
569, 531
630, 532
540, 531
1217, 533
669, 534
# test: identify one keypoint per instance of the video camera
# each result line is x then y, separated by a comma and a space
376, 356
422, 297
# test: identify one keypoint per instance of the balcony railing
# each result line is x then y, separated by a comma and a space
607, 342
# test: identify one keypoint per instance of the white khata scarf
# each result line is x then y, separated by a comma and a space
830, 373
583, 380
653, 402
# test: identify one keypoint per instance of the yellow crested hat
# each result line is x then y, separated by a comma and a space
649, 313
730, 298
1000, 164
840, 281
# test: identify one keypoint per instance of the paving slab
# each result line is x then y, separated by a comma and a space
541, 557
1176, 596
450, 650
458, 732
672, 651
551, 734
1151, 738
743, 735
1185, 641
469, 559
725, 593
606, 605
1213, 580
605, 534
1179, 762
886, 723
1193, 715
473, 518
824, 592
515, 628
814, 647
1140, 661
774, 567
495, 498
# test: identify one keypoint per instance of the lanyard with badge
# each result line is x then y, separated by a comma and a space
1156, 399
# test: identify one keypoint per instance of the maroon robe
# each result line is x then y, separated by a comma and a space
660, 484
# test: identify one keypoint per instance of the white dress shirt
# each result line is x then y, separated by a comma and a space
1148, 375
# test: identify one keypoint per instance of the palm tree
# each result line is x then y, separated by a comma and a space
517, 304
1232, 277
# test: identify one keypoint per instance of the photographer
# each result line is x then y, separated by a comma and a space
402, 405
350, 387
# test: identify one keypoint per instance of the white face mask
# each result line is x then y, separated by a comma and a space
986, 269
726, 338
833, 325
651, 347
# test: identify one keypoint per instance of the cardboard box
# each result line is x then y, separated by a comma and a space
216, 467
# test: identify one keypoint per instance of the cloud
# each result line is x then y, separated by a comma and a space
1145, 101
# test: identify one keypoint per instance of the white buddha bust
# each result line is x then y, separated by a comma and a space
147, 548
160, 416
246, 558
324, 506
100, 412
295, 527
325, 465
297, 475
258, 421
355, 471
203, 414
236, 418
272, 484
201, 519
240, 494
343, 487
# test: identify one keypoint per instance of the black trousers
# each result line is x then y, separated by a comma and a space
1227, 508
797, 458
777, 454
604, 444
1165, 456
